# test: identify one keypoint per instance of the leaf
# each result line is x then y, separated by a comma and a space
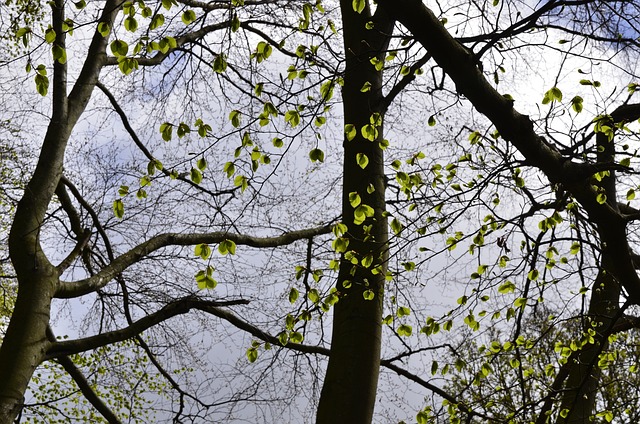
358, 5
362, 160
119, 48
576, 104
553, 94
59, 54
130, 24
313, 296
293, 295
118, 208
368, 295
396, 226
201, 164
229, 168
188, 16
196, 175
575, 248
405, 330
369, 132
326, 90
361, 213
234, 117
506, 287
316, 155
252, 354
220, 63
50, 35
227, 246
354, 199
350, 131
203, 250
157, 21
292, 117
431, 121
104, 29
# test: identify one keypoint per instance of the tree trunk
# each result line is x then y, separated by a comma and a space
25, 344
349, 390
579, 397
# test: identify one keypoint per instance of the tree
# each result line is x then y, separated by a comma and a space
567, 179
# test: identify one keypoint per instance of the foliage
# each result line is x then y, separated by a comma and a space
218, 184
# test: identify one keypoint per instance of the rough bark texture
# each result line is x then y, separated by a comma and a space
349, 390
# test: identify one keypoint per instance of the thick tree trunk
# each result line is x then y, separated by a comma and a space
25, 343
580, 390
350, 385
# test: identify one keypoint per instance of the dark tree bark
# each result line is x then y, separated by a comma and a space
349, 390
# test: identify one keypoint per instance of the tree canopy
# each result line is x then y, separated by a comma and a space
340, 211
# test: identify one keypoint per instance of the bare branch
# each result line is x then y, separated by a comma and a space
171, 310
122, 262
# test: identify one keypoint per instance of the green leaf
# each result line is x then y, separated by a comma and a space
252, 354
203, 250
292, 117
576, 104
316, 155
354, 199
358, 5
104, 29
229, 168
227, 246
396, 226
130, 24
119, 48
326, 90
205, 279
369, 132
575, 248
157, 21
368, 295
361, 213
59, 54
220, 63
293, 295
202, 164
296, 337
118, 208
50, 35
432, 121
42, 83
196, 175
234, 117
601, 198
188, 16
313, 296
506, 287
362, 160
405, 330
241, 181
553, 94
350, 131
631, 194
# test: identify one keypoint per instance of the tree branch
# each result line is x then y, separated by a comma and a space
171, 310
459, 64
79, 288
